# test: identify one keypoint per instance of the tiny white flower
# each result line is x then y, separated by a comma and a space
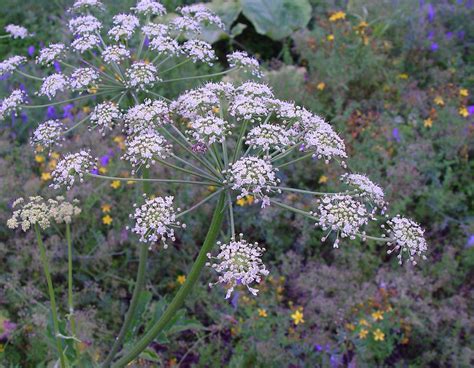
11, 64
115, 54
124, 26
141, 75
53, 84
48, 133
17, 31
149, 7
199, 50
85, 42
83, 78
72, 166
84, 24
240, 59
11, 103
105, 115
50, 54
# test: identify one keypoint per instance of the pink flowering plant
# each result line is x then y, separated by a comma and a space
237, 138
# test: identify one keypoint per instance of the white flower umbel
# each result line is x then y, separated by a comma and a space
49, 133
141, 75
324, 142
148, 115
270, 137
164, 45
86, 5
201, 14
124, 26
62, 211
115, 54
156, 220
9, 65
26, 214
199, 50
17, 31
149, 7
209, 129
48, 55
12, 103
366, 188
343, 214
105, 115
72, 166
85, 43
240, 59
53, 84
83, 78
251, 101
239, 263
407, 238
145, 147
252, 176
85, 24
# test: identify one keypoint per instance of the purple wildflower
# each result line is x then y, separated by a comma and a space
104, 160
470, 241
68, 111
396, 135
57, 67
51, 113
434, 46
431, 12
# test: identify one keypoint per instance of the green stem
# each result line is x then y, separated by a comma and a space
183, 292
28, 75
200, 76
139, 284
69, 289
63, 101
52, 299
149, 180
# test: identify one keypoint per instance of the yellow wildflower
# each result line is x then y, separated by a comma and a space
52, 164
181, 279
115, 184
102, 170
377, 315
463, 112
39, 159
45, 176
363, 322
2, 348
55, 155
211, 188
107, 220
86, 109
363, 334
363, 24
403, 76
350, 326
262, 313
330, 37
102, 68
428, 123
439, 101
339, 15
297, 317
321, 86
92, 90
379, 335
215, 110
463, 92
120, 141
323, 179
106, 208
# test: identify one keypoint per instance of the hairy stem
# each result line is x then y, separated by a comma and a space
183, 292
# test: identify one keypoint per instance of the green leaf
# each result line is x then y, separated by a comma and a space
277, 19
228, 11
237, 30
143, 300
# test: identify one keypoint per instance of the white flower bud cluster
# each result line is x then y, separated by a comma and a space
144, 148
86, 5
38, 211
84, 24
115, 53
83, 78
12, 102
124, 26
85, 43
146, 116
270, 137
53, 84
9, 65
199, 50
343, 214
209, 129
324, 142
366, 188
141, 75
239, 263
48, 55
252, 176
17, 31
155, 220
240, 59
407, 238
149, 7
49, 133
201, 14
71, 166
105, 115
251, 101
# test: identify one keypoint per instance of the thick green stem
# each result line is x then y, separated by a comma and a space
70, 300
52, 299
139, 284
183, 292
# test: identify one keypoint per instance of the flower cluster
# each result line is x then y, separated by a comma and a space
17, 31
145, 116
141, 75
38, 211
239, 262
50, 54
83, 78
366, 188
105, 115
252, 176
52, 85
12, 102
406, 237
209, 129
48, 133
72, 165
240, 59
9, 65
270, 137
155, 220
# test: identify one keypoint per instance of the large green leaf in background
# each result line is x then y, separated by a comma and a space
277, 19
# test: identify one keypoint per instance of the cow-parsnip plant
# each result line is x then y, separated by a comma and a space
235, 138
